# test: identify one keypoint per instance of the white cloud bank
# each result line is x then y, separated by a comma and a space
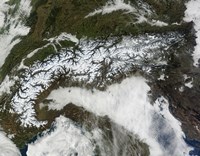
127, 104
116, 5
13, 26
113, 6
7, 147
66, 140
192, 13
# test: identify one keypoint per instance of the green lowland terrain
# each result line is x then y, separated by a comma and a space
50, 18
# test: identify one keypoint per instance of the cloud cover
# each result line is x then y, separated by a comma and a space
192, 13
12, 26
7, 147
127, 104
66, 139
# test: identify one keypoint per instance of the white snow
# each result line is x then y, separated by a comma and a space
7, 147
86, 66
192, 13
127, 104
188, 84
162, 77
65, 140
181, 89
16, 27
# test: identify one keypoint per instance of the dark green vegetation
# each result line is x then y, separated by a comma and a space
40, 55
49, 18
170, 11
11, 125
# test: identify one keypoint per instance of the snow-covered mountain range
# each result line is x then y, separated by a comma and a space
91, 78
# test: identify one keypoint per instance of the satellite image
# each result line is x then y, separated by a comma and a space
99, 77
